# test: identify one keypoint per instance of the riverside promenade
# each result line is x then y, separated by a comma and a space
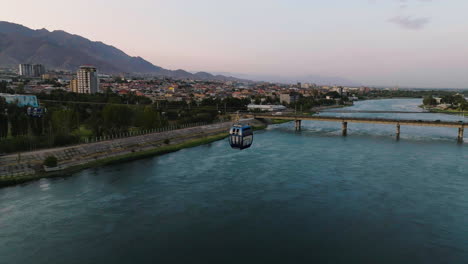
25, 165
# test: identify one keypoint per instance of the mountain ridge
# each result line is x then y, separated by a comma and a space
61, 50
310, 78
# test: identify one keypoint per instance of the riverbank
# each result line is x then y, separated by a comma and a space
112, 160
326, 107
74, 159
443, 111
279, 121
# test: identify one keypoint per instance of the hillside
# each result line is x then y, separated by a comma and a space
64, 51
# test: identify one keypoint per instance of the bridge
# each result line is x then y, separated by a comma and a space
390, 112
346, 119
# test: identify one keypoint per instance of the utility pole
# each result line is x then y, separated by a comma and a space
29, 133
42, 127
50, 134
8, 123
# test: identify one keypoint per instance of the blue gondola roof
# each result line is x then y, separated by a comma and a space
241, 126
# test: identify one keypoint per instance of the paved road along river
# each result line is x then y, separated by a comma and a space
291, 198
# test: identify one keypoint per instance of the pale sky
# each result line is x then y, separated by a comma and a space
416, 43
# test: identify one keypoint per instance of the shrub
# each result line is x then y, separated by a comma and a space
167, 141
50, 161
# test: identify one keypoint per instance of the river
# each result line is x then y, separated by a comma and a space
293, 197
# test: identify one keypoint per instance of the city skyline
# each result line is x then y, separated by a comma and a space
412, 43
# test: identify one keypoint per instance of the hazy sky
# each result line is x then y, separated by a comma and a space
419, 43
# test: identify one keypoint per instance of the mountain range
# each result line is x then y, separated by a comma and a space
310, 78
60, 50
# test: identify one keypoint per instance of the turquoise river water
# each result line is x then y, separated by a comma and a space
293, 197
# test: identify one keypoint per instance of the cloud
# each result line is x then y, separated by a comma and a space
408, 22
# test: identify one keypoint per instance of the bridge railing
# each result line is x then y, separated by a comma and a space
350, 118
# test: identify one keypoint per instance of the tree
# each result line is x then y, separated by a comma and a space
50, 161
18, 120
95, 122
3, 119
3, 104
333, 94
429, 100
151, 117
4, 89
63, 122
20, 89
115, 100
147, 117
116, 118
447, 99
459, 99
463, 106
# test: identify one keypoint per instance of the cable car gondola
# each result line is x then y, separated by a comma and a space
240, 136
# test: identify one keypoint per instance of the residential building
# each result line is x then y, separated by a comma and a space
289, 98
88, 81
48, 76
74, 85
31, 70
25, 70
38, 70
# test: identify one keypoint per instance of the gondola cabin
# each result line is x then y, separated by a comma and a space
240, 136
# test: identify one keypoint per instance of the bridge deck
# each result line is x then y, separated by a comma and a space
362, 120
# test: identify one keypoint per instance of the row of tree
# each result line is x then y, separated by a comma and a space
306, 103
456, 101
71, 117
408, 93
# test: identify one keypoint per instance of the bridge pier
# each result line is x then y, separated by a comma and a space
344, 129
398, 132
460, 134
297, 125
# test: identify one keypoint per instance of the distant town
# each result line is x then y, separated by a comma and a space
35, 79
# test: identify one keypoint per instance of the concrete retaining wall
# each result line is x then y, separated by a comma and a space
29, 163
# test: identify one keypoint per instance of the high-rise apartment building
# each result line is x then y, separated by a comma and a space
31, 70
38, 70
25, 70
88, 81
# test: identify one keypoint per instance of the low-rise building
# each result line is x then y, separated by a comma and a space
289, 98
20, 99
269, 108
74, 85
